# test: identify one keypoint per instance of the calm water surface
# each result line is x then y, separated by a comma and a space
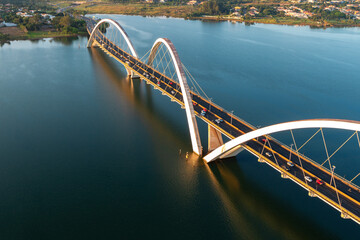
87, 154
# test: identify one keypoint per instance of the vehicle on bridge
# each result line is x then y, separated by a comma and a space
309, 179
319, 181
290, 164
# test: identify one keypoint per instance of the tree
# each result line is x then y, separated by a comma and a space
65, 22
210, 7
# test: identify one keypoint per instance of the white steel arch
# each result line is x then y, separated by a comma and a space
311, 123
121, 30
189, 109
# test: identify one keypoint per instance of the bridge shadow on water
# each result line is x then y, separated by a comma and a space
248, 205
139, 96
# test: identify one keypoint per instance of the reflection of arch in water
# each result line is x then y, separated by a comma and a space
152, 115
232, 146
145, 106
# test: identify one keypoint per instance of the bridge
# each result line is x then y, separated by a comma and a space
320, 181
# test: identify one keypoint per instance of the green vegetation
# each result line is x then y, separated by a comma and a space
4, 37
137, 9
249, 11
67, 24
61, 23
314, 14
44, 34
31, 24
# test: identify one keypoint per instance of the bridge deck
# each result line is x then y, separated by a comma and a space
232, 127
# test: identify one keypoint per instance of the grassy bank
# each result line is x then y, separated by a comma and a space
44, 34
17, 34
137, 9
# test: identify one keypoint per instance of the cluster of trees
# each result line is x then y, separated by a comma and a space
31, 24
3, 38
61, 23
218, 7
211, 7
68, 24
329, 15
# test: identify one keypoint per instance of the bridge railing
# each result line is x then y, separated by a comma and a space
226, 111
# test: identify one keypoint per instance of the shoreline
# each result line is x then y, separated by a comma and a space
274, 22
184, 12
39, 35
287, 22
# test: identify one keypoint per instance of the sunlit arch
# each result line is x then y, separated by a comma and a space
194, 132
312, 123
121, 30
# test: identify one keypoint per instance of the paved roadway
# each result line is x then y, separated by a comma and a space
233, 127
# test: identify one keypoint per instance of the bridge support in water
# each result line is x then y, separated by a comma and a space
131, 74
215, 139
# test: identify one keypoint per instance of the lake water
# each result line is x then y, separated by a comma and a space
86, 153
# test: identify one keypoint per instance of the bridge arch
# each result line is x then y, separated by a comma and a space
189, 109
121, 30
234, 144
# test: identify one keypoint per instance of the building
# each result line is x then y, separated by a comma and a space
193, 2
237, 9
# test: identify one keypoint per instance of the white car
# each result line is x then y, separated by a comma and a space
218, 121
268, 154
290, 164
307, 178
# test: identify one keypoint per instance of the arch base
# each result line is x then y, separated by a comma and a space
131, 74
214, 138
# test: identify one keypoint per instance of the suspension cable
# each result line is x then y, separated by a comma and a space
194, 81
161, 57
326, 150
309, 139
331, 168
262, 151
297, 152
193, 85
143, 58
277, 163
340, 147
355, 177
